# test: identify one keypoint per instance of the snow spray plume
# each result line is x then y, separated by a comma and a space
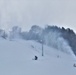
54, 39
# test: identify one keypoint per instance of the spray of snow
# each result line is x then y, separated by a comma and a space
54, 39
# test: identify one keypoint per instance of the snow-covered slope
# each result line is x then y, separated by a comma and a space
16, 59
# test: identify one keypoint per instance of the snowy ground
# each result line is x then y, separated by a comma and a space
16, 59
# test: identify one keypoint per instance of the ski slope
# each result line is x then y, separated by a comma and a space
16, 59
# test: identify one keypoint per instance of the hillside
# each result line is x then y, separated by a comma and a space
16, 59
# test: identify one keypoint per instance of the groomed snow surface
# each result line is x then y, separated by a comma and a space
16, 58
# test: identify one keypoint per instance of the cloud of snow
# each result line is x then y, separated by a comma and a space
54, 39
